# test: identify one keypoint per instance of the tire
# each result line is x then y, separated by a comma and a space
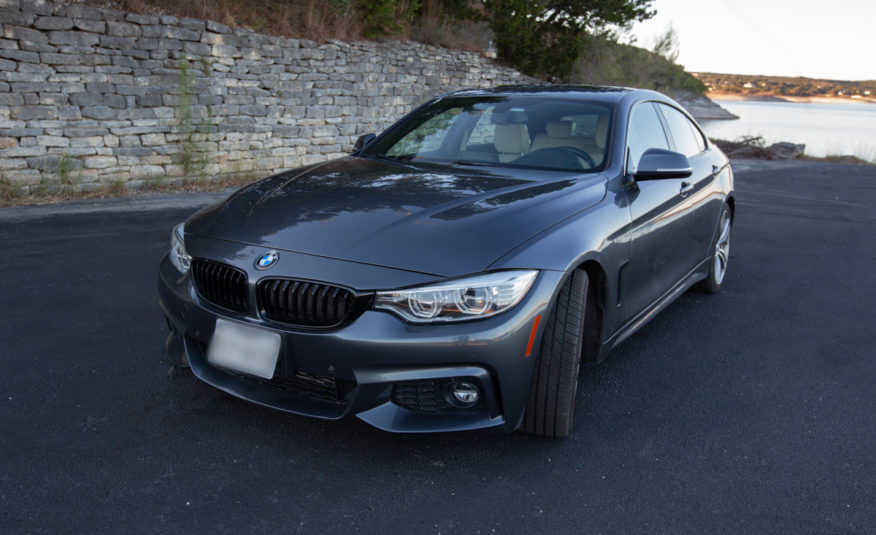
720, 255
551, 402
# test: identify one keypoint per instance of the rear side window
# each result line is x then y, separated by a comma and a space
646, 132
687, 137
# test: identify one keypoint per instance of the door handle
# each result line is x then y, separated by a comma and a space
686, 188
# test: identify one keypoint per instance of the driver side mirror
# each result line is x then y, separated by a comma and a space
363, 141
656, 164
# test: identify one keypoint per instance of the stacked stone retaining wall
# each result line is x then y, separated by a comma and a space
94, 97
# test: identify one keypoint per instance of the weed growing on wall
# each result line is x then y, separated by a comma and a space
193, 163
8, 192
69, 180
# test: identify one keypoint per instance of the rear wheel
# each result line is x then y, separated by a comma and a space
720, 255
551, 403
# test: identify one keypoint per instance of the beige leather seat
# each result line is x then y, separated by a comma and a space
559, 134
600, 138
511, 141
596, 145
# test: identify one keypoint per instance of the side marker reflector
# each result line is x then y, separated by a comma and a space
532, 335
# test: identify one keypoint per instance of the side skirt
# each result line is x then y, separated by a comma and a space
696, 275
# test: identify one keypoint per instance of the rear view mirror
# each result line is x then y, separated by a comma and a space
363, 141
656, 164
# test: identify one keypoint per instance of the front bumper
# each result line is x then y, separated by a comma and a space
367, 362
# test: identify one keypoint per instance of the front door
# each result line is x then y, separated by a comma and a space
661, 243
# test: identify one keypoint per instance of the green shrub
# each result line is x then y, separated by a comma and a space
381, 18
544, 37
605, 62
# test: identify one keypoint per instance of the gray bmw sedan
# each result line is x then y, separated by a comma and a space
455, 270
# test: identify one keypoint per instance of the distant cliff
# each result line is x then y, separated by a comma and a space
746, 85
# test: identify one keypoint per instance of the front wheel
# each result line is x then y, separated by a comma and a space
551, 402
720, 255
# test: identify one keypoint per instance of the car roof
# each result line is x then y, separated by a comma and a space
587, 92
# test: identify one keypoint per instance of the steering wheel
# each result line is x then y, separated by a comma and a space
564, 150
579, 153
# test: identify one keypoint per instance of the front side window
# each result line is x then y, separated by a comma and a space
646, 132
524, 131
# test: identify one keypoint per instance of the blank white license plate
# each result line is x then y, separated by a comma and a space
244, 349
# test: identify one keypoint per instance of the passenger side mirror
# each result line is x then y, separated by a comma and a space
363, 141
656, 164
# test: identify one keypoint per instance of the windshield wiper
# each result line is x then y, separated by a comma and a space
473, 164
399, 158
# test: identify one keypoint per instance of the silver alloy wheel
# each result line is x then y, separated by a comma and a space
722, 248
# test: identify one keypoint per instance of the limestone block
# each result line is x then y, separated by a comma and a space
23, 177
152, 139
98, 112
73, 38
53, 23
53, 141
97, 26
22, 152
92, 141
146, 171
19, 55
142, 19
99, 162
217, 28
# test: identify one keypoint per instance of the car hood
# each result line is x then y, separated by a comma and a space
434, 219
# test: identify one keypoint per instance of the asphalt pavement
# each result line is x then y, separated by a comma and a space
750, 411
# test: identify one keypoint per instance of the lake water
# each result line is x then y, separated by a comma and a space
825, 128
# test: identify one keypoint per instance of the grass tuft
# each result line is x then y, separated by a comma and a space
46, 193
8, 192
846, 159
115, 188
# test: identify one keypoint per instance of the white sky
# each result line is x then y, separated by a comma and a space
833, 39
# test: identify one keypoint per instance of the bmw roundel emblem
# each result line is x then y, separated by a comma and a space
267, 260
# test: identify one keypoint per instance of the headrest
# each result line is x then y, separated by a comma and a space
601, 133
559, 128
510, 117
511, 139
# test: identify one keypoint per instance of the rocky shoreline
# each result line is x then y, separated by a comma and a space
704, 109
754, 147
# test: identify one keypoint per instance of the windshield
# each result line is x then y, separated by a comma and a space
514, 131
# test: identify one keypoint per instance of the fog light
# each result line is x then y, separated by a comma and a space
466, 394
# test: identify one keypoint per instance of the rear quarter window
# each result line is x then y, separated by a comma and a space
686, 135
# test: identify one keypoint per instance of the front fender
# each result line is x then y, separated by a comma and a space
599, 234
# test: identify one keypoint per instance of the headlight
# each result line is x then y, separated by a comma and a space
178, 255
459, 300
